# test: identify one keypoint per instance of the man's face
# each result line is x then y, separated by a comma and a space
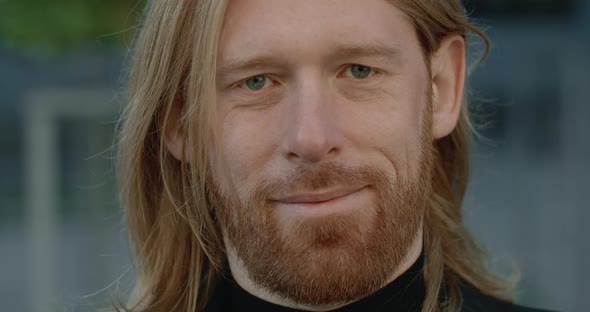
323, 167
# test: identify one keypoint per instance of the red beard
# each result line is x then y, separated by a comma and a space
333, 259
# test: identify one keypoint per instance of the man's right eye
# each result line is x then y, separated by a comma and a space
255, 83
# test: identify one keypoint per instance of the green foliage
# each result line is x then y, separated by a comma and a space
55, 25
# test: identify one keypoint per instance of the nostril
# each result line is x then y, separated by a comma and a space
312, 155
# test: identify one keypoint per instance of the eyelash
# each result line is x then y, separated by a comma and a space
241, 84
348, 67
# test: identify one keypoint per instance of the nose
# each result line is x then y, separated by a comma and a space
311, 131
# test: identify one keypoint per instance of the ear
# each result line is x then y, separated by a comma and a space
448, 82
172, 137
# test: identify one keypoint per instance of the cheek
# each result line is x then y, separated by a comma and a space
246, 146
390, 126
396, 137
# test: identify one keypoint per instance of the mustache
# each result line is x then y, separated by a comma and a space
322, 176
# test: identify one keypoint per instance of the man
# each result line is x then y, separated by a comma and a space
302, 155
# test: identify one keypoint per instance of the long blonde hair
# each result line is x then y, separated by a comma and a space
177, 241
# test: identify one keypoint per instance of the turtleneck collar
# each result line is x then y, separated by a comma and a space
405, 293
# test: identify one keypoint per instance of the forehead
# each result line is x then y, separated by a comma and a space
305, 29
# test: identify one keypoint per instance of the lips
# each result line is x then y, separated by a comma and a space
317, 197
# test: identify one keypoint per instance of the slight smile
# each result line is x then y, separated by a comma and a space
316, 204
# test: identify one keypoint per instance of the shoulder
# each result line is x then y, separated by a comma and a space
475, 301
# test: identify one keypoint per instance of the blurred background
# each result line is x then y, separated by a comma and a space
63, 245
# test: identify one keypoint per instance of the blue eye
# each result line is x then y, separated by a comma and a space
255, 83
359, 71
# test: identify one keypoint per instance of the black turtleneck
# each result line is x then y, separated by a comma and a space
405, 293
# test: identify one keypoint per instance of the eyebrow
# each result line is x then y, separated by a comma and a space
364, 50
339, 51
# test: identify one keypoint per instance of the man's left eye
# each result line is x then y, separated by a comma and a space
359, 71
256, 83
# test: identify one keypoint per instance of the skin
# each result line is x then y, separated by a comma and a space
312, 110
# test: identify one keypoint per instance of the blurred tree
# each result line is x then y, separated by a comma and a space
62, 24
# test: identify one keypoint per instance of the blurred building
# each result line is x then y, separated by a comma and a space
531, 175
62, 231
